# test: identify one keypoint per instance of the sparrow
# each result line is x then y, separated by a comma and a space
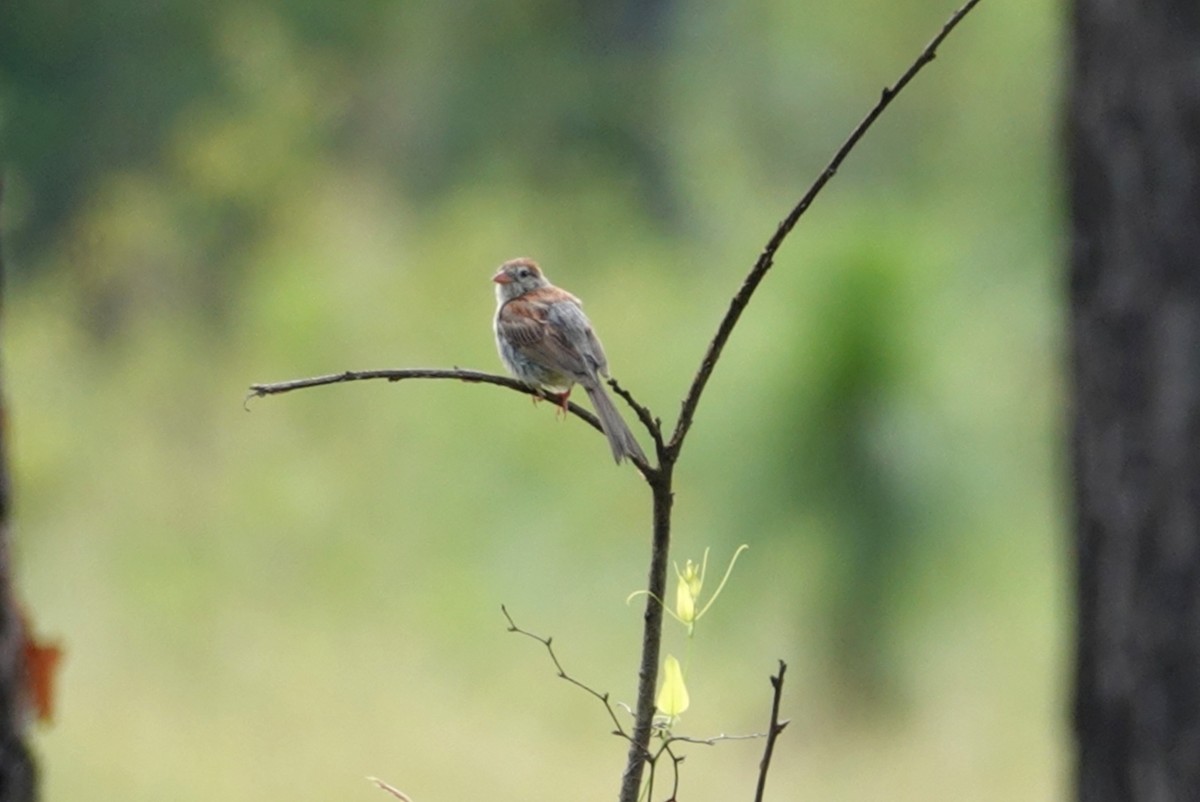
546, 341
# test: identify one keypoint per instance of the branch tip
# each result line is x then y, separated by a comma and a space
773, 730
752, 280
396, 792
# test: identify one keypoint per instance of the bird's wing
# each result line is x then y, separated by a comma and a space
571, 328
535, 329
521, 323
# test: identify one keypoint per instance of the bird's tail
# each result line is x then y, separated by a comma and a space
622, 441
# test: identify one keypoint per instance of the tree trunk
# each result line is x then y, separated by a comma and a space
18, 776
1133, 138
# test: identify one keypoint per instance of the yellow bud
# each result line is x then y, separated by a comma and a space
672, 696
685, 602
693, 575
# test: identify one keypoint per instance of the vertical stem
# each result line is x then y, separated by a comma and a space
660, 484
773, 729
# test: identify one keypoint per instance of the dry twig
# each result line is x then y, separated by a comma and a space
396, 792
562, 673
776, 726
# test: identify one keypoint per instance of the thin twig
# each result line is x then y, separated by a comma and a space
548, 643
776, 726
396, 792
653, 425
395, 375
766, 259
687, 739
675, 761
650, 775
669, 740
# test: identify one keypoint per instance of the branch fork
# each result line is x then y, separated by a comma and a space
659, 477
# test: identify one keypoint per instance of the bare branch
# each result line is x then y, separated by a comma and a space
395, 375
396, 792
653, 425
776, 727
660, 479
766, 259
687, 739
547, 642
675, 761
670, 740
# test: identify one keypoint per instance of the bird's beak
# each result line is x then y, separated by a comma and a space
502, 277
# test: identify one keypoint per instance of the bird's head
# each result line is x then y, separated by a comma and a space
517, 277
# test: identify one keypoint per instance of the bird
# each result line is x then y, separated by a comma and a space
546, 341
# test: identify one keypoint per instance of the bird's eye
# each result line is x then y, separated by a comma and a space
523, 272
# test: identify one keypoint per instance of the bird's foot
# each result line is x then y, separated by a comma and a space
562, 400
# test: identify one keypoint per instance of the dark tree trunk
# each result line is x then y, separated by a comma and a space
1133, 137
18, 776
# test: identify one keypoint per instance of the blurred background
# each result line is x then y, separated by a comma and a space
274, 604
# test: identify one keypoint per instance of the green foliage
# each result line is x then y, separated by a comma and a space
276, 604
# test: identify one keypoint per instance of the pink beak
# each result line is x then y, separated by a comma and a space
502, 277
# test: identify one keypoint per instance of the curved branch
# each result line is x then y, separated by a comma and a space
562, 673
395, 375
766, 259
653, 425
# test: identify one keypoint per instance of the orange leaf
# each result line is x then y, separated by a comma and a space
41, 672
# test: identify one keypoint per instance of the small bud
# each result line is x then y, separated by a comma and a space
672, 696
685, 601
693, 575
